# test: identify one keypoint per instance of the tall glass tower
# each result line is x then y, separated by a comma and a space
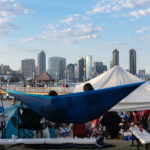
132, 59
57, 67
41, 63
81, 69
88, 62
70, 72
28, 68
115, 60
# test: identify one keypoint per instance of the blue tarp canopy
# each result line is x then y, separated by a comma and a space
76, 107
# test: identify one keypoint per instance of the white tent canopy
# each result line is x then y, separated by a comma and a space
137, 100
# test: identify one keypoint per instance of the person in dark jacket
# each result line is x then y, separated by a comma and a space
111, 121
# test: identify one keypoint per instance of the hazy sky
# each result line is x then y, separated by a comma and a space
73, 28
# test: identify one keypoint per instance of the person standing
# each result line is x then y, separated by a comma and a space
79, 130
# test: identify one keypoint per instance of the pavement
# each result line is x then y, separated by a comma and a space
118, 145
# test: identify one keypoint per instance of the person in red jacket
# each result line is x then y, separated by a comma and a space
79, 129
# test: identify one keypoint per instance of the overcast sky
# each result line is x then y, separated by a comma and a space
73, 28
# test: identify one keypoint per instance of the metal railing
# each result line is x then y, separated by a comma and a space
40, 89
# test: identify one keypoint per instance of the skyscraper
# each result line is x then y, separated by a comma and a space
81, 69
28, 68
115, 60
88, 67
70, 72
76, 71
41, 63
57, 67
132, 59
99, 68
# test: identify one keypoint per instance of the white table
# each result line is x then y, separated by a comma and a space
49, 141
143, 137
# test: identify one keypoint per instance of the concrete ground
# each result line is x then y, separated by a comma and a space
118, 145
123, 145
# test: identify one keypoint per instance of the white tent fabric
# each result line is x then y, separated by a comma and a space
137, 100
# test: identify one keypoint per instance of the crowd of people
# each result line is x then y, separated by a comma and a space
109, 125
136, 118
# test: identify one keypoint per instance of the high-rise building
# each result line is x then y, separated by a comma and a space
76, 71
99, 68
57, 67
88, 67
41, 63
28, 68
70, 72
81, 69
115, 60
132, 59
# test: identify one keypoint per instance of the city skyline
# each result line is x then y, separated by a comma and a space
71, 31
45, 62
84, 69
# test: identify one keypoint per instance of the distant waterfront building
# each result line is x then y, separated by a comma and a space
115, 60
5, 69
142, 75
132, 59
99, 68
142, 72
17, 75
88, 67
81, 69
41, 63
104, 68
111, 64
71, 72
57, 67
28, 68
